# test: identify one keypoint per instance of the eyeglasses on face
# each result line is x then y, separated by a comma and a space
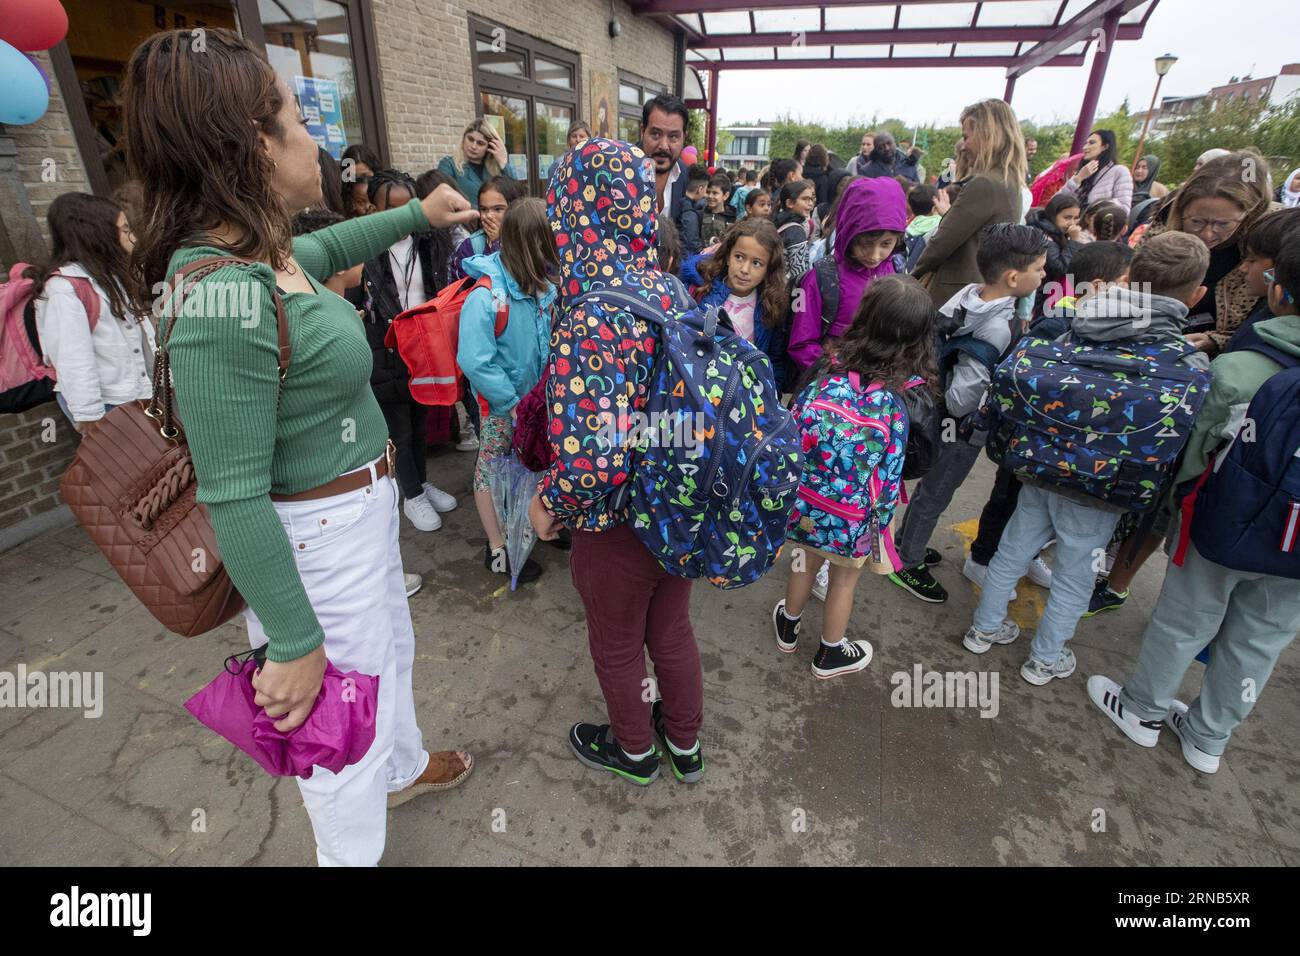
1216, 226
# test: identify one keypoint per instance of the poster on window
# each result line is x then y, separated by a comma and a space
604, 116
319, 101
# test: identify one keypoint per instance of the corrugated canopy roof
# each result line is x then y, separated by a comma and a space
1017, 35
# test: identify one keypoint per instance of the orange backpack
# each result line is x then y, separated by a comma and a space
426, 336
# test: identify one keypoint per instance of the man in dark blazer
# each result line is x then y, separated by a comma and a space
663, 136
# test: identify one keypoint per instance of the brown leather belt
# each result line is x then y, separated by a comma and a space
352, 481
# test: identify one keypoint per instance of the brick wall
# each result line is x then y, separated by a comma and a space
49, 138
425, 66
31, 466
36, 448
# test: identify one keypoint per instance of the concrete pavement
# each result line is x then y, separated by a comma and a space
798, 771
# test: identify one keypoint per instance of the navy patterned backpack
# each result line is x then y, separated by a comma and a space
718, 460
1244, 511
1107, 419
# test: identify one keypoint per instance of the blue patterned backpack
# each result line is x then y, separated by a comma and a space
1107, 419
718, 460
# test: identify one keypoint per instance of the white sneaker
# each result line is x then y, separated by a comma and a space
421, 513
1039, 572
413, 583
1104, 692
975, 573
1199, 759
468, 443
440, 500
977, 642
823, 581
1038, 673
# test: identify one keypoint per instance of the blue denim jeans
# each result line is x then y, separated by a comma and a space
1082, 533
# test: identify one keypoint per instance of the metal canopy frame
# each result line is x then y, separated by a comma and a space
881, 40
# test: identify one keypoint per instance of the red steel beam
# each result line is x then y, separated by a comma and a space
874, 62
1081, 27
912, 35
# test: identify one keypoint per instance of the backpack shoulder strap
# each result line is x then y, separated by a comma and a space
86, 295
828, 287
1251, 342
986, 353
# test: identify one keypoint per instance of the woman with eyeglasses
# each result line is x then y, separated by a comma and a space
1219, 203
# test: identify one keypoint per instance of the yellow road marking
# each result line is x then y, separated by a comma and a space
1028, 606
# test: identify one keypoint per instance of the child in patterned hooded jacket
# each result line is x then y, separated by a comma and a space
854, 438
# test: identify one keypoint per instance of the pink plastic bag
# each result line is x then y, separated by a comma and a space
338, 733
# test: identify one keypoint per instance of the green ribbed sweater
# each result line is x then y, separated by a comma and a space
224, 367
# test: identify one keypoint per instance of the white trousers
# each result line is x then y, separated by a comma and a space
350, 564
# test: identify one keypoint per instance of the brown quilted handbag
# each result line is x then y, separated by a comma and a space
131, 487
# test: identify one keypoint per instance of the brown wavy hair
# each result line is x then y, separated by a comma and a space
891, 337
772, 292
83, 230
194, 104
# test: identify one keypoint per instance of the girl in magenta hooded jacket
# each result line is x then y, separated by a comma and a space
868, 226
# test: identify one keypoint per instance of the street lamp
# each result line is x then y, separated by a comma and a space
1163, 66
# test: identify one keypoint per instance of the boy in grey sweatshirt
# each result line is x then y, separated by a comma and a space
1169, 271
1011, 260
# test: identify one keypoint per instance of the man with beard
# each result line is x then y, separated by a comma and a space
663, 134
887, 161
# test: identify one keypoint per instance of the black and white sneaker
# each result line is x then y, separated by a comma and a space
787, 631
688, 768
1104, 692
920, 583
1197, 758
596, 747
843, 658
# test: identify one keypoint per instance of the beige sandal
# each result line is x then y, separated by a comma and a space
446, 769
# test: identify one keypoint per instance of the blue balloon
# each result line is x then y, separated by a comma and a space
23, 94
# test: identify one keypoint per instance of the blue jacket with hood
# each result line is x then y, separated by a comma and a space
503, 369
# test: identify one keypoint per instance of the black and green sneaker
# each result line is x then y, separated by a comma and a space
1104, 599
596, 747
932, 557
920, 583
688, 768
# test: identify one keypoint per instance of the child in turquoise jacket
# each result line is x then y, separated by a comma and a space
503, 368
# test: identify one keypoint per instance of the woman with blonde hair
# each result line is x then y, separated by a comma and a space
482, 156
992, 153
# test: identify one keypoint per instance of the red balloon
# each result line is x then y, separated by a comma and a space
30, 25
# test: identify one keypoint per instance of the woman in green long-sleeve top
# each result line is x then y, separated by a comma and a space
294, 474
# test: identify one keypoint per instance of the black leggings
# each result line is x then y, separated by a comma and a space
407, 424
993, 519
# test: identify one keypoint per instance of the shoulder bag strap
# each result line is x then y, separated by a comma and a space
162, 405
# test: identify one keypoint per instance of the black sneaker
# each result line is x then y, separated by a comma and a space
787, 631
1104, 599
498, 563
920, 583
688, 768
843, 658
596, 747
562, 543
932, 557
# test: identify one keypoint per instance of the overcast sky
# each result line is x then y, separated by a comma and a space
1213, 40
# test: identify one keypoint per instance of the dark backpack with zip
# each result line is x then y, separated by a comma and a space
1244, 512
717, 462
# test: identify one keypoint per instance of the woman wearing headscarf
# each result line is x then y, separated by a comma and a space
1145, 174
1288, 194
1101, 176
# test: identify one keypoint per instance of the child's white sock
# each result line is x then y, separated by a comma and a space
635, 757
839, 643
683, 753
790, 617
